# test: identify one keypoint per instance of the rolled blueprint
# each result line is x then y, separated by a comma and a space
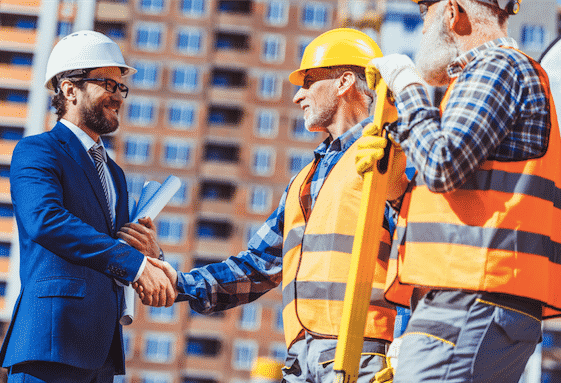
151, 202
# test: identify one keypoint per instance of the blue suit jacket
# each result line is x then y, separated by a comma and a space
69, 305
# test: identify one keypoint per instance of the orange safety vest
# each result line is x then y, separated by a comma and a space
317, 253
499, 232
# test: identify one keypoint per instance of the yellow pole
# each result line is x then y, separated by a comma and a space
365, 251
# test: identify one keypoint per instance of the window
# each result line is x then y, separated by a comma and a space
170, 229
149, 36
273, 48
113, 30
195, 379
64, 28
278, 319
224, 115
263, 161
267, 123
277, 12
162, 314
297, 161
158, 347
278, 351
6, 210
235, 6
302, 44
228, 77
199, 346
120, 379
5, 249
533, 37
155, 377
12, 133
244, 354
214, 229
135, 183
314, 15
177, 153
260, 199
193, 8
128, 343
269, 86
151, 6
251, 230
189, 41
148, 74
141, 111
300, 132
250, 317
137, 149
185, 79
222, 152
217, 190
231, 40
181, 114
182, 195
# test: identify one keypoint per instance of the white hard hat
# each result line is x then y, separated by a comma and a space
84, 50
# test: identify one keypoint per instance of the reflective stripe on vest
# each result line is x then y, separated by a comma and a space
316, 257
498, 232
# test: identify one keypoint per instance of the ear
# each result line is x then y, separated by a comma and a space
68, 88
345, 82
459, 21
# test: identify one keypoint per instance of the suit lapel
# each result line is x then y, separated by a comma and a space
121, 205
72, 145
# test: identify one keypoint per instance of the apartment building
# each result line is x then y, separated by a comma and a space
211, 104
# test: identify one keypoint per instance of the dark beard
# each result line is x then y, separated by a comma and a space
95, 120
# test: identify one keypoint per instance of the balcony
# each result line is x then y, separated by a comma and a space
15, 76
13, 113
31, 7
16, 39
111, 11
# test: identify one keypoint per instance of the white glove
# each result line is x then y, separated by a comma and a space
398, 71
393, 351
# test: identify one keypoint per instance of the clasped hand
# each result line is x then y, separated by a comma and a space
157, 285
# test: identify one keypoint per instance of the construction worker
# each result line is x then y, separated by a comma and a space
307, 241
478, 225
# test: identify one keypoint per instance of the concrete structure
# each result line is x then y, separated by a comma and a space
211, 103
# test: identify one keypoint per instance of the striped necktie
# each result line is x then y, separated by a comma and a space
98, 154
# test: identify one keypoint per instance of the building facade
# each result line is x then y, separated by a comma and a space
211, 104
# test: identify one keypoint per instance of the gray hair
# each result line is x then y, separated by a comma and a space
361, 84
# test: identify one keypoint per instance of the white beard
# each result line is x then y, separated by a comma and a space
436, 52
318, 120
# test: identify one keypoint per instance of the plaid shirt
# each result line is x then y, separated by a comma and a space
250, 274
497, 110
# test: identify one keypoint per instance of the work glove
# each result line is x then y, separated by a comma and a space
371, 149
386, 375
397, 70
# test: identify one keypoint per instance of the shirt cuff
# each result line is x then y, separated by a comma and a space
140, 269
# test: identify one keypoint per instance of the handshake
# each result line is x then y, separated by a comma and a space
157, 285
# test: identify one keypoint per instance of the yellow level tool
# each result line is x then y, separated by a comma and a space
366, 244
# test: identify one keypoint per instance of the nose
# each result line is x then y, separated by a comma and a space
299, 96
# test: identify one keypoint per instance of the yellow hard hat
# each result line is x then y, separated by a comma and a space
341, 46
509, 6
267, 369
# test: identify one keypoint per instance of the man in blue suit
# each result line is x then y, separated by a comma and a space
69, 203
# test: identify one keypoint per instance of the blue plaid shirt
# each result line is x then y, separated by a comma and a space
250, 274
497, 110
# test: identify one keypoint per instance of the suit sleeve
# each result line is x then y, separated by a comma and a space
56, 209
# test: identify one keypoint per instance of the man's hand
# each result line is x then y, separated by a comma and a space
157, 284
397, 70
141, 236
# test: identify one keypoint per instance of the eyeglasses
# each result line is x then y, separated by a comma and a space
109, 85
424, 7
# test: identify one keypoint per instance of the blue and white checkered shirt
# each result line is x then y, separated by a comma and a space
243, 278
497, 110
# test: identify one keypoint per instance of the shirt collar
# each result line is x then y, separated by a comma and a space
86, 140
344, 141
458, 65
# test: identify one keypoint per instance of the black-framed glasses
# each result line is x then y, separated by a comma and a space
424, 7
110, 85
